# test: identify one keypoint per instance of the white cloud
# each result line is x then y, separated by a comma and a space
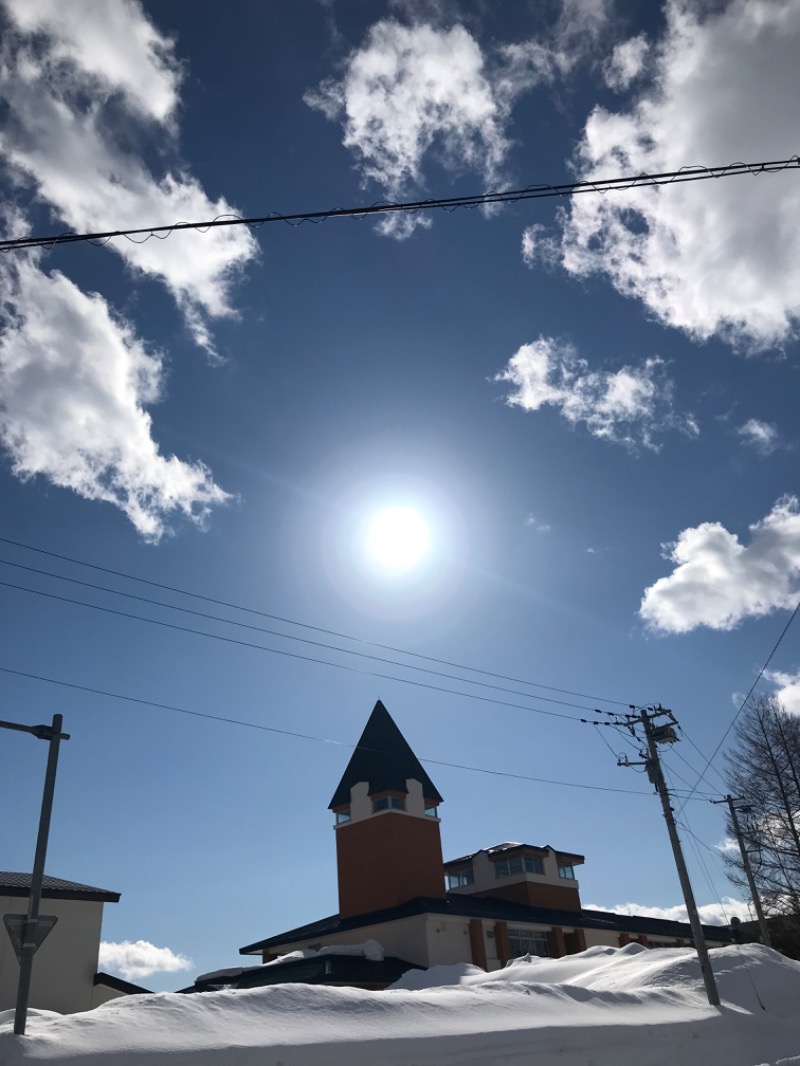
626, 62
86, 77
112, 42
713, 258
718, 581
710, 913
763, 436
414, 91
787, 688
532, 522
74, 384
627, 406
135, 959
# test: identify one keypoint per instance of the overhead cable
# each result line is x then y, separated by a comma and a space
307, 626
385, 207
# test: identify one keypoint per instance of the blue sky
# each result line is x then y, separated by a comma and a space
591, 403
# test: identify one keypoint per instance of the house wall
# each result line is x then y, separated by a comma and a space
103, 994
65, 964
536, 890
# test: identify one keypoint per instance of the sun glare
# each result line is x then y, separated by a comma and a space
398, 538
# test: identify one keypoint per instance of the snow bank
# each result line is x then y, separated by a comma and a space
607, 1007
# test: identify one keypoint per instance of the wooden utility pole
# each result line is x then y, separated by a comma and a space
665, 734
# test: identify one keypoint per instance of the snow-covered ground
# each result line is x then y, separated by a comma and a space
605, 1007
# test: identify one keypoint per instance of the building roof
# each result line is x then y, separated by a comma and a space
384, 759
511, 846
492, 909
110, 981
18, 884
319, 970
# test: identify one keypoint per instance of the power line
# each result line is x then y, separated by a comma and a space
530, 192
305, 625
303, 658
290, 636
744, 702
309, 736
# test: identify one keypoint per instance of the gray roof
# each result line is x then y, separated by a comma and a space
492, 909
384, 760
18, 884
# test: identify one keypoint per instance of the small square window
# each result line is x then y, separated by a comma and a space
342, 816
567, 871
388, 803
432, 811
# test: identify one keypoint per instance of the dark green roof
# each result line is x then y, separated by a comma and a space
384, 760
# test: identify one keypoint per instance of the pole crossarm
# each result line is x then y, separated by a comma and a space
41, 732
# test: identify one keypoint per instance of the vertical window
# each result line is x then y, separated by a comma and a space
566, 871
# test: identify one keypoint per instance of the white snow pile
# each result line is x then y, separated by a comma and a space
604, 1007
369, 949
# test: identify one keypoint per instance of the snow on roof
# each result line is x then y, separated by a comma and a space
618, 1006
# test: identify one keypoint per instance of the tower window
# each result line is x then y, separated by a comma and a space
342, 816
431, 810
388, 803
461, 878
528, 864
566, 871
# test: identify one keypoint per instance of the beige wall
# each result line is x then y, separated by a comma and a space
65, 964
486, 879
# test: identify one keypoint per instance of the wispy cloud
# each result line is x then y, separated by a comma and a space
626, 62
718, 581
763, 436
75, 381
713, 261
628, 406
139, 958
420, 90
710, 913
79, 83
532, 522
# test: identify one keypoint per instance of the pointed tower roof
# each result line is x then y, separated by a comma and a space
384, 759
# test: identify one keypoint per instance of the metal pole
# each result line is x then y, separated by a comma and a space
694, 919
762, 921
28, 942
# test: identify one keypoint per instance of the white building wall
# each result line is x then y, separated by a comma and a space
65, 964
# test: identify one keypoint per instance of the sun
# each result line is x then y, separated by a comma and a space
398, 538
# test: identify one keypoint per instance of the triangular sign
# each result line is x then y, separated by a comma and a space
37, 930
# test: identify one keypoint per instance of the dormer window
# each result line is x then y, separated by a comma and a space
565, 870
528, 864
461, 878
343, 816
388, 803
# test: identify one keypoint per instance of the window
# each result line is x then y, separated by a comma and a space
461, 878
342, 816
528, 864
528, 942
566, 871
388, 803
431, 810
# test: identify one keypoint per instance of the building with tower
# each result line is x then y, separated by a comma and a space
399, 896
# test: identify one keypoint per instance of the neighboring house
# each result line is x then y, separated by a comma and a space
497, 903
65, 976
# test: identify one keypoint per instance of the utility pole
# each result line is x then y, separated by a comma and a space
665, 734
31, 935
754, 895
